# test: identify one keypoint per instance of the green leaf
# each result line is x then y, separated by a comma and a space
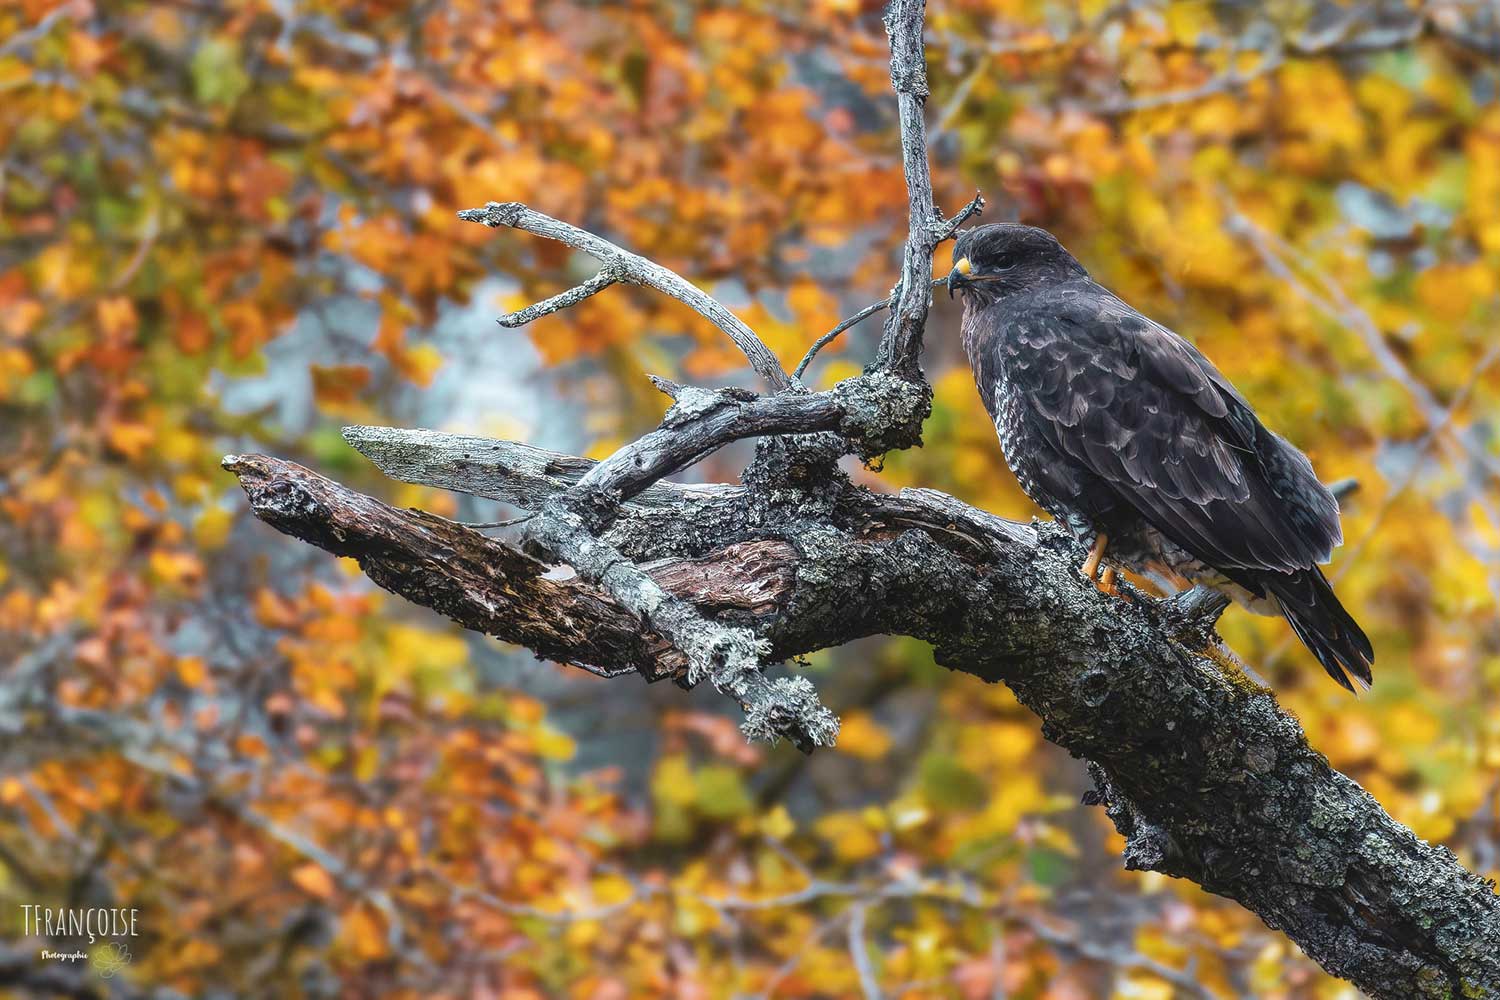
37, 388
218, 77
947, 784
1048, 867
721, 792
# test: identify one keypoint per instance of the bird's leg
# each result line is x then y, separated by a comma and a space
1090, 566
1107, 581
1092, 563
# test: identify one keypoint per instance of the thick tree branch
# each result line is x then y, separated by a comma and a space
727, 655
1207, 778
484, 584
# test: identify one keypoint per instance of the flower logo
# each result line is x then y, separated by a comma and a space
109, 959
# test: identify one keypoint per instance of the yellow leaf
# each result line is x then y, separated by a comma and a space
274, 611
778, 823
364, 932
176, 568
130, 440
863, 737
419, 364
1187, 20
192, 671
550, 744
849, 836
314, 880
673, 781
116, 317
1012, 742
211, 529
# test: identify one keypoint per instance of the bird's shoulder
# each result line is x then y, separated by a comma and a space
1080, 330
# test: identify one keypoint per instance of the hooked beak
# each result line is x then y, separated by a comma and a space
959, 276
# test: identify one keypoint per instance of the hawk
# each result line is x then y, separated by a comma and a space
1127, 434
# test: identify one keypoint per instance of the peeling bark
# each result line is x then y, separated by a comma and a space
1202, 772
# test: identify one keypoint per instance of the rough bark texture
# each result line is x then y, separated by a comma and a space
1203, 773
1198, 767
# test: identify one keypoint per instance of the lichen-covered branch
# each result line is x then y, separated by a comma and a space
480, 582
1207, 778
901, 346
562, 300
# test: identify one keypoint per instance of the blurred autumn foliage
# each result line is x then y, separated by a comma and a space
230, 226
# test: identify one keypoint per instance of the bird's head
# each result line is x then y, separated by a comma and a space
990, 262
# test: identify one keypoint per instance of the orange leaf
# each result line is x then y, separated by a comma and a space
314, 880
364, 933
339, 383
130, 439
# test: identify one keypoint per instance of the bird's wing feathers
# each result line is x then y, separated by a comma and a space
1142, 409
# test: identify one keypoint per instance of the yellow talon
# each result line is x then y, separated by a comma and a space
1096, 553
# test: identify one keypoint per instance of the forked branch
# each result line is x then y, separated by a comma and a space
620, 264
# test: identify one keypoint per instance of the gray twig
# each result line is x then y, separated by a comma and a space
945, 231
859, 951
623, 265
562, 300
832, 335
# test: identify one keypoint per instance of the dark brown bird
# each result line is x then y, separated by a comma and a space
1129, 435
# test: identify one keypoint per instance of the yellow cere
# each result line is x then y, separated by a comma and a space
963, 266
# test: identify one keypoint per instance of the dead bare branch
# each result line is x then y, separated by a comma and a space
562, 300
624, 266
901, 346
945, 232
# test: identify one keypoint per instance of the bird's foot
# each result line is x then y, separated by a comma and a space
1109, 582
1093, 570
1090, 567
